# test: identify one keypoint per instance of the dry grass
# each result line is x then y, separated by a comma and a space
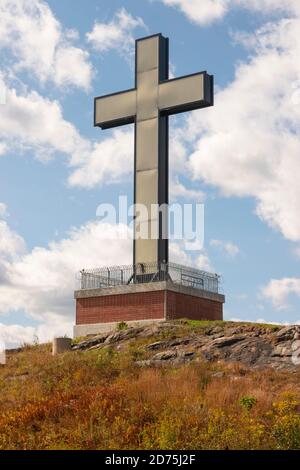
101, 400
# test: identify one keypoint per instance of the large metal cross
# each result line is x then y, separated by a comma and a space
148, 106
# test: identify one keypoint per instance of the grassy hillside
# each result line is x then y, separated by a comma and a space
102, 399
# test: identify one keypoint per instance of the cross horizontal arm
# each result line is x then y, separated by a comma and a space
115, 110
185, 93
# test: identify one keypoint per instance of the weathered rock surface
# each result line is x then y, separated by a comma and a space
176, 343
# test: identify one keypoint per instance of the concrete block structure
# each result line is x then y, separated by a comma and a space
102, 308
61, 345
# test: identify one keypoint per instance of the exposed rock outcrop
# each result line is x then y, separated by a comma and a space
175, 343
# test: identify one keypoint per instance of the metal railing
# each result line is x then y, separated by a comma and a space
148, 272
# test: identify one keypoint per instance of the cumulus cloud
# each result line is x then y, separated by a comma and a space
41, 282
178, 254
3, 148
261, 321
2, 92
255, 150
30, 122
200, 11
10, 242
110, 159
12, 336
179, 166
118, 34
203, 262
278, 291
206, 11
228, 247
40, 45
179, 190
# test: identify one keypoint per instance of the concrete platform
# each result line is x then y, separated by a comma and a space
94, 329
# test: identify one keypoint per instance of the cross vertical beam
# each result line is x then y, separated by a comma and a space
151, 147
148, 106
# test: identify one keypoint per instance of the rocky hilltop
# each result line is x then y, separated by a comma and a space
173, 385
174, 343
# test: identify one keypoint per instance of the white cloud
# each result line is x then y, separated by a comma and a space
40, 45
118, 34
41, 282
112, 159
279, 290
3, 210
261, 321
17, 335
255, 150
179, 166
3, 148
200, 11
10, 242
109, 160
30, 122
179, 190
228, 247
206, 11
203, 262
2, 92
71, 67
178, 255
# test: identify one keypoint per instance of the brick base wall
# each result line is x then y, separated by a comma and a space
195, 308
150, 305
121, 307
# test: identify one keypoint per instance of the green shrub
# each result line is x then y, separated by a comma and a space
122, 325
248, 402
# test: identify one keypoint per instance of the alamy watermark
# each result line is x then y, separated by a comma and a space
2, 352
178, 221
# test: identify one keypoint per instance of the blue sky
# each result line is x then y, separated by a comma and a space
55, 167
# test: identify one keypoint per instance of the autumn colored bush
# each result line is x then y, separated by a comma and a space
102, 400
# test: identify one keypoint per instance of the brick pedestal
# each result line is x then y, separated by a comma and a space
101, 309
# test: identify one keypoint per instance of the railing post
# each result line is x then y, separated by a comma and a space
163, 271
